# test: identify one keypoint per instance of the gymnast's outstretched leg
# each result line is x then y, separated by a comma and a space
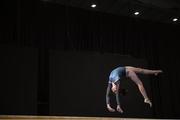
144, 71
132, 75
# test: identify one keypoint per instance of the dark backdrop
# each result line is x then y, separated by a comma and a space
46, 25
19, 75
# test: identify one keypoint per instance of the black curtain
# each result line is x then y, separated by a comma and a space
48, 25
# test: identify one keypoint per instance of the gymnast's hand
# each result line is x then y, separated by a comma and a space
110, 108
119, 109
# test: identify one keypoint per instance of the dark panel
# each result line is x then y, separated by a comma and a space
19, 73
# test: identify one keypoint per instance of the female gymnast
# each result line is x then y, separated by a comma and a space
130, 72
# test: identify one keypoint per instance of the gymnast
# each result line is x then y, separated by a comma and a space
129, 72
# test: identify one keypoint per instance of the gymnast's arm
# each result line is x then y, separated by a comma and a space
108, 98
118, 103
107, 94
117, 98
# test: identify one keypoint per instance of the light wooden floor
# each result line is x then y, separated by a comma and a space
17, 117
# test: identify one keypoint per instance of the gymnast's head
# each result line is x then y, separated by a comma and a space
115, 87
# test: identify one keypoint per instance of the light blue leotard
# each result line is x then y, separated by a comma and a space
117, 74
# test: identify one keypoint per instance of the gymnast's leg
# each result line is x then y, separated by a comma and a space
144, 71
132, 75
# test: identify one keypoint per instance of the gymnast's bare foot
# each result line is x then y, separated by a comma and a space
157, 72
148, 102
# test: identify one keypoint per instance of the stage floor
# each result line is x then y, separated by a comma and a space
19, 117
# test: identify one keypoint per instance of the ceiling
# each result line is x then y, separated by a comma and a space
154, 10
